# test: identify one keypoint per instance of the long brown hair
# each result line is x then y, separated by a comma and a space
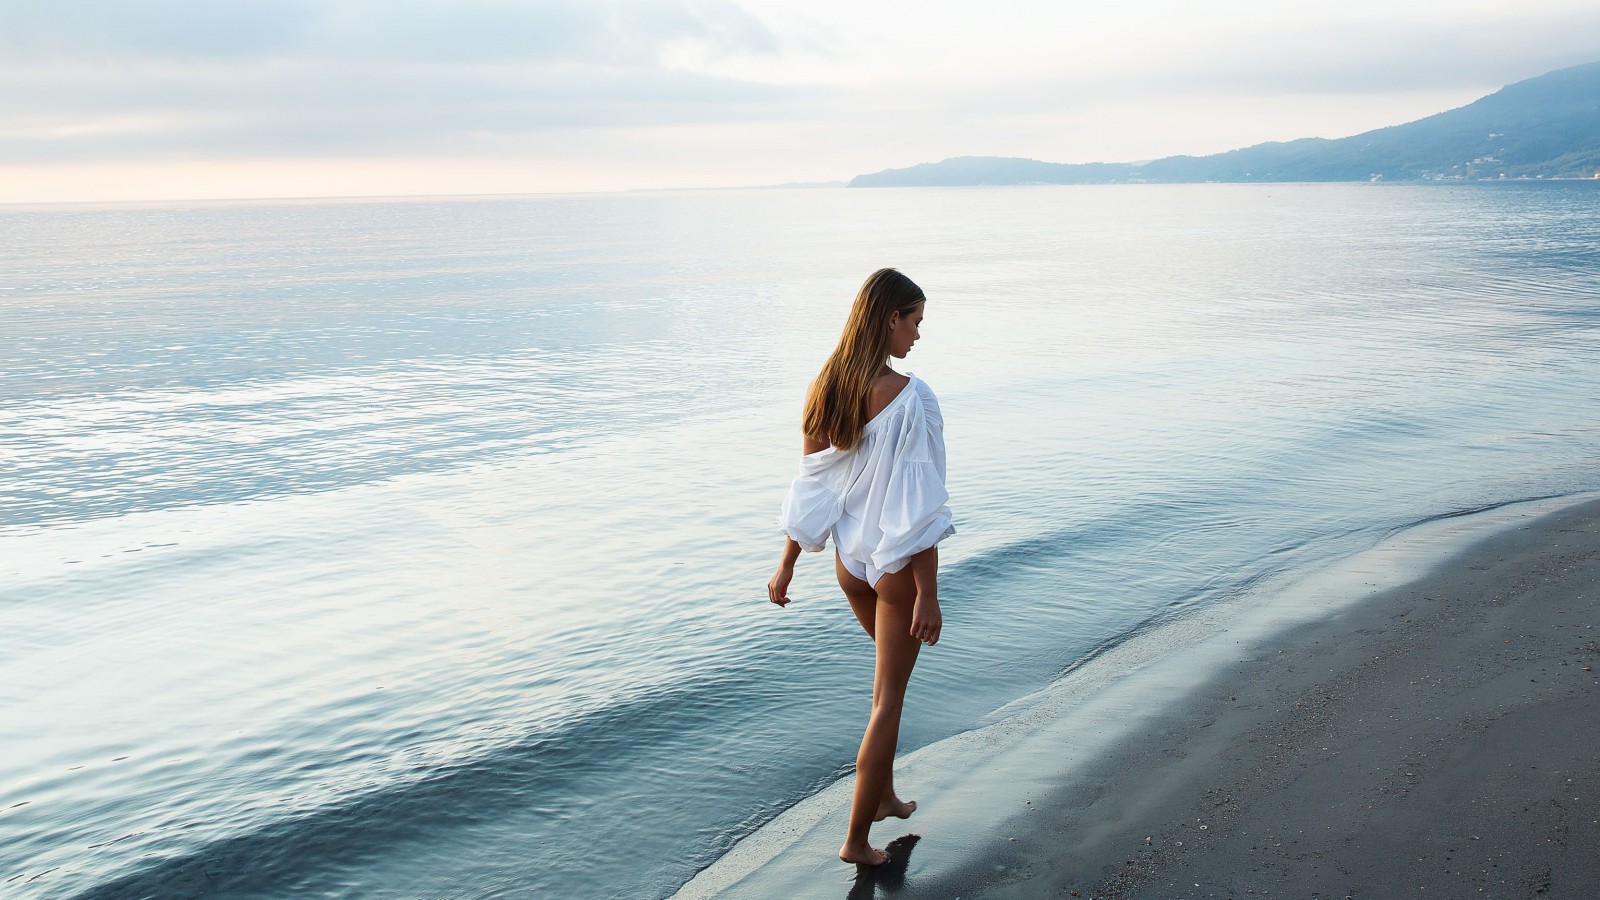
836, 406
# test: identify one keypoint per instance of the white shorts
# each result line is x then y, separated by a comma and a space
864, 571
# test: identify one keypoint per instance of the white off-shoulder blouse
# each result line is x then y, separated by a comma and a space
884, 500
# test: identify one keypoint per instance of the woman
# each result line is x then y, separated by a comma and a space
872, 477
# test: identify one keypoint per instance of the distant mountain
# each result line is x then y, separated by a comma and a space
1546, 127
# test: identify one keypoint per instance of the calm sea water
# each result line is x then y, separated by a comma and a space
419, 548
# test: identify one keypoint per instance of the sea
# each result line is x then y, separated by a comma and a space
418, 548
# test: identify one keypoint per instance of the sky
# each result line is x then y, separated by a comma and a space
186, 99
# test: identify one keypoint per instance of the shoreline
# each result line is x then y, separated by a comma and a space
1220, 720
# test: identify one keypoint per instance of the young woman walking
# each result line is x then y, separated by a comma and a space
872, 478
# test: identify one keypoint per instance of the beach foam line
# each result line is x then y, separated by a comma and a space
977, 788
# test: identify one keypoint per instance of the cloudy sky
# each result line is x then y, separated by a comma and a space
149, 99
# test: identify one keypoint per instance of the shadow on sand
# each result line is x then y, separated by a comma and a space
889, 877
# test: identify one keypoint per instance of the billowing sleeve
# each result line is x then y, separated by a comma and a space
916, 512
815, 500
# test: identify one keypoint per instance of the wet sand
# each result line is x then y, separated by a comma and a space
1439, 740
1365, 734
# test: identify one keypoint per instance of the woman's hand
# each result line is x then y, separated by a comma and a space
925, 619
778, 586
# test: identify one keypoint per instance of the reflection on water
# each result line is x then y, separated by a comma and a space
418, 548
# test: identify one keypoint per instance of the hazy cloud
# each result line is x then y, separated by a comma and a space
593, 31
91, 79
1450, 52
109, 30
817, 90
1446, 51
298, 110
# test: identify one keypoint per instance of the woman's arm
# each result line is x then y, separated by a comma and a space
778, 585
925, 618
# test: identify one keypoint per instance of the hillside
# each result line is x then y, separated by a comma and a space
1546, 127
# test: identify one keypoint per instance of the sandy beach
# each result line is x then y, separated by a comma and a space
1386, 736
1441, 739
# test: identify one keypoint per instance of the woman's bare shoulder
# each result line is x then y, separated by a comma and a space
884, 389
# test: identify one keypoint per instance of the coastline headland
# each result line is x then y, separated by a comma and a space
1416, 720
1539, 128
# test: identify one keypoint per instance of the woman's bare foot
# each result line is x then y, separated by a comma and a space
863, 855
894, 806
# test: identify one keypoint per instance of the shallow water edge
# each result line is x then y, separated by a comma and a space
974, 787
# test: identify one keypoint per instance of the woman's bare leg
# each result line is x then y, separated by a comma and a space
864, 603
896, 656
863, 599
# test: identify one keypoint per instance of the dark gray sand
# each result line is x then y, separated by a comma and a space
1439, 740
1329, 737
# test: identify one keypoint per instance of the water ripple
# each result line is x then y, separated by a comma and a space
417, 548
